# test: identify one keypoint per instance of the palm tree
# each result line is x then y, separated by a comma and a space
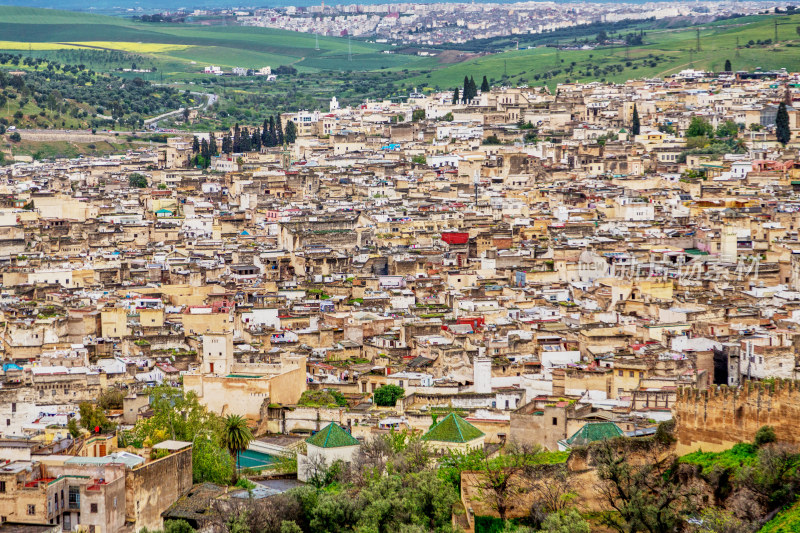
236, 436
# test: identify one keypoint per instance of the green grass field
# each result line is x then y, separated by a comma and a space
665, 52
224, 46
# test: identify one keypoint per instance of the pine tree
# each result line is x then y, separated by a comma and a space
456, 97
782, 131
728, 65
636, 126
485, 85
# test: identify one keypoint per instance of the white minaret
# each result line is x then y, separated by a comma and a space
482, 374
728, 246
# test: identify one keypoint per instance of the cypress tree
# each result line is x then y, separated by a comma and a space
255, 142
204, 149
291, 132
465, 95
279, 130
237, 139
456, 97
212, 145
273, 137
473, 88
728, 65
782, 131
485, 85
636, 126
265, 133
227, 144
195, 145
247, 144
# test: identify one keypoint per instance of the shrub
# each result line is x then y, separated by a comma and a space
387, 395
765, 435
664, 432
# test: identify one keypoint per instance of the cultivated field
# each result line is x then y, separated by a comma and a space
184, 49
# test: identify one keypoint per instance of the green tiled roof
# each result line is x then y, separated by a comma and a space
453, 428
594, 431
332, 436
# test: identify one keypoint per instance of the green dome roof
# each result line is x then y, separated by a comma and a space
332, 436
453, 428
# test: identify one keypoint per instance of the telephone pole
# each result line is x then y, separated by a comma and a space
316, 41
697, 46
349, 49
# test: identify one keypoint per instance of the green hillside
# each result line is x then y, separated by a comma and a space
22, 29
353, 71
178, 51
665, 52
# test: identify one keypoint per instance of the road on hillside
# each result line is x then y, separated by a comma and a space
86, 136
212, 98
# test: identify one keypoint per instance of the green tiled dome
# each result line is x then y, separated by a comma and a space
453, 428
332, 436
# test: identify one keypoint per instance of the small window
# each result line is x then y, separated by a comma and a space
31, 510
555, 421
631, 373
619, 373
2, 486
93, 507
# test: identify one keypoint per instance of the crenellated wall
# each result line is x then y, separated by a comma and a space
719, 417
